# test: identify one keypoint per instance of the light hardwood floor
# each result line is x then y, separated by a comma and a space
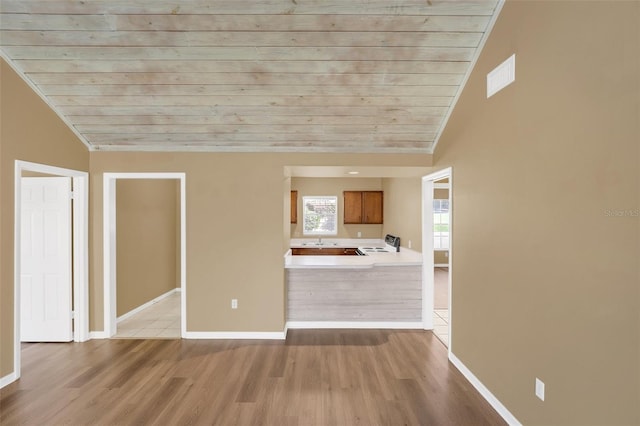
315, 377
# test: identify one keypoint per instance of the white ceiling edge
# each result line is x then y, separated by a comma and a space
41, 95
474, 60
363, 171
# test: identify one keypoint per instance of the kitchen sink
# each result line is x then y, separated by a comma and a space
317, 244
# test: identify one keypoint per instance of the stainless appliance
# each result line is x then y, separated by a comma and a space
391, 245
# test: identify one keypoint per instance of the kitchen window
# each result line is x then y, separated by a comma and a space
320, 215
441, 224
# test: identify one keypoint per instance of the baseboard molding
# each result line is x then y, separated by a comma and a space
248, 335
98, 335
146, 305
8, 379
355, 324
486, 393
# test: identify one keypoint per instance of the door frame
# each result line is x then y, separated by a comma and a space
428, 284
79, 253
109, 245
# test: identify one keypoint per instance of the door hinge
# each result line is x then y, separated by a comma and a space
72, 195
73, 314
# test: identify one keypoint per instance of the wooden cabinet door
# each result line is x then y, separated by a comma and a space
372, 207
352, 206
294, 206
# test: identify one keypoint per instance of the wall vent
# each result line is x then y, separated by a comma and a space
502, 76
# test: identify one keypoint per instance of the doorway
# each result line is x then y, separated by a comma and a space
437, 254
77, 262
110, 253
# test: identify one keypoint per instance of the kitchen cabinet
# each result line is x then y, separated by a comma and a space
323, 251
363, 207
294, 206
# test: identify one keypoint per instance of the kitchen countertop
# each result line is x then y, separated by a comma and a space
405, 257
335, 242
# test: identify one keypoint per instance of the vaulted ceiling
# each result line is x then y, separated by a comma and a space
248, 75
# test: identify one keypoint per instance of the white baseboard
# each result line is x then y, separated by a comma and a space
98, 335
355, 324
249, 335
486, 393
8, 379
146, 305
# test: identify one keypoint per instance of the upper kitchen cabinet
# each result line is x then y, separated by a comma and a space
363, 207
294, 206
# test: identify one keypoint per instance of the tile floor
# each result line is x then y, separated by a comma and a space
159, 321
441, 312
441, 325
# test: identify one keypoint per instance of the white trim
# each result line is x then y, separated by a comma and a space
8, 379
354, 324
427, 253
476, 56
486, 393
441, 186
44, 99
146, 305
80, 255
98, 335
441, 265
248, 335
109, 244
428, 264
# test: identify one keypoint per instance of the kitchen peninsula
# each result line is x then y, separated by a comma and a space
379, 289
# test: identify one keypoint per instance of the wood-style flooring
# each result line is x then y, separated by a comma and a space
315, 377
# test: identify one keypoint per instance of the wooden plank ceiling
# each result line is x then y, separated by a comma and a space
247, 75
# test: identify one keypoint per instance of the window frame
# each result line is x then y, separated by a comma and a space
334, 198
437, 235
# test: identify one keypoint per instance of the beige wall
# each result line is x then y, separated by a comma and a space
336, 186
30, 131
235, 236
545, 274
146, 240
403, 210
441, 257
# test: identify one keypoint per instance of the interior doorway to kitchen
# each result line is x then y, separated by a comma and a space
437, 254
144, 311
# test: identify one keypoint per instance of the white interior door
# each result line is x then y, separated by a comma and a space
45, 280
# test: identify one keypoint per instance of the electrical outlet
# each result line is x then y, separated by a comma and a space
540, 389
359, 234
409, 244
446, 254
234, 303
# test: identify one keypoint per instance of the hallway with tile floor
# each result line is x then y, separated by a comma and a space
441, 304
159, 321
